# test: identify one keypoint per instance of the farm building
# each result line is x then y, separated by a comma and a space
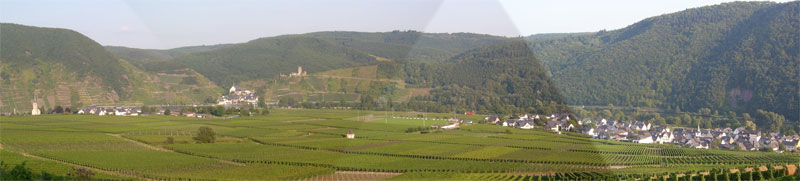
350, 134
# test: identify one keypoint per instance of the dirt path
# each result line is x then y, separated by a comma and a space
302, 120
373, 119
79, 166
171, 151
371, 145
141, 144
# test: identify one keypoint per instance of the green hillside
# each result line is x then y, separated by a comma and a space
25, 47
266, 58
65, 68
501, 78
735, 56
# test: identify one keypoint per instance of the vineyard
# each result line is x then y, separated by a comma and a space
299, 144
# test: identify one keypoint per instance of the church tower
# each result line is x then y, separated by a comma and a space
35, 111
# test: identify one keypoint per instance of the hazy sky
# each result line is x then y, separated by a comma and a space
174, 23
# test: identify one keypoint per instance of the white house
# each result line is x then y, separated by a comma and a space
526, 125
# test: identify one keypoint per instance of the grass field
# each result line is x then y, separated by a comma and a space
310, 144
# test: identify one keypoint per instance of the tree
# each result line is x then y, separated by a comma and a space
170, 140
686, 119
607, 114
261, 101
19, 172
773, 121
265, 111
205, 135
146, 110
218, 111
673, 120
167, 112
750, 125
80, 174
58, 109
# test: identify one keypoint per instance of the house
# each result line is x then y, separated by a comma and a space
790, 145
119, 112
643, 137
567, 126
351, 135
190, 114
641, 126
450, 126
524, 124
553, 125
589, 131
492, 119
507, 123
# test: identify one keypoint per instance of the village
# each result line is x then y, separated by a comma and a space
237, 96
647, 133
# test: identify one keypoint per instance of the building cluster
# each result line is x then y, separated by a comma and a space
238, 95
645, 132
554, 122
723, 138
455, 123
110, 111
299, 73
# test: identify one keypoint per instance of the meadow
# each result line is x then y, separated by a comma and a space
297, 144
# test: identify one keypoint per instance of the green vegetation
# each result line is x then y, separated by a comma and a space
64, 68
302, 143
736, 56
268, 57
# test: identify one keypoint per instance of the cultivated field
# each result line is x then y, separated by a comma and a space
311, 145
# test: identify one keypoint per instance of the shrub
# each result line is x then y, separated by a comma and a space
205, 135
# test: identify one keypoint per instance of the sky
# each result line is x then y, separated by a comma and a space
163, 24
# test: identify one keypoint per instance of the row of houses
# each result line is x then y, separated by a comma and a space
647, 133
109, 111
722, 138
554, 122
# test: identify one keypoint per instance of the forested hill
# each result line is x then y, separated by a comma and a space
64, 68
25, 47
266, 58
501, 78
739, 56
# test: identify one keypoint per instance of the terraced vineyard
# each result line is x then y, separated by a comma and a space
310, 145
